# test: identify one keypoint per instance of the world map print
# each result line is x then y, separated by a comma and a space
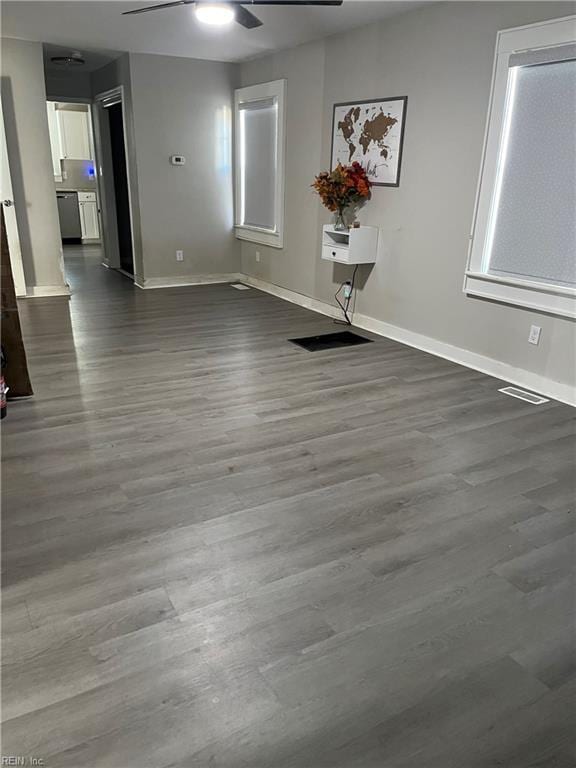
370, 133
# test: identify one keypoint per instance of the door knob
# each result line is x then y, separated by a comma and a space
7, 203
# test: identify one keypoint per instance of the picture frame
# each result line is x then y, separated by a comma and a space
370, 132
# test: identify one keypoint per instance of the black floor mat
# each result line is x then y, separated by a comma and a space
330, 341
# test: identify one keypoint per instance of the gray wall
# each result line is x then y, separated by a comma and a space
295, 265
441, 57
66, 84
115, 74
183, 106
28, 140
175, 106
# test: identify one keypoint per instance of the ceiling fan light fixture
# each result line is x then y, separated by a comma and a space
216, 14
73, 59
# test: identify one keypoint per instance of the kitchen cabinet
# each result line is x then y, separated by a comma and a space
74, 134
70, 137
88, 215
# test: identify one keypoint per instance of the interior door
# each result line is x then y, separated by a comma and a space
11, 224
16, 368
121, 193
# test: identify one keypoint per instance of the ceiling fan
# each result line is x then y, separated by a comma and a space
231, 10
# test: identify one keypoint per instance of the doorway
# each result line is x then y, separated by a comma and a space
74, 166
121, 193
114, 180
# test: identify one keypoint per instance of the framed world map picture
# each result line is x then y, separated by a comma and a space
371, 133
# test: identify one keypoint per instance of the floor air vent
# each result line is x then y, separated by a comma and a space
523, 395
240, 286
330, 341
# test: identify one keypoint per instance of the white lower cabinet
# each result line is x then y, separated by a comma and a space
88, 215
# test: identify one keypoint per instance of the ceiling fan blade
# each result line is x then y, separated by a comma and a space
157, 7
245, 18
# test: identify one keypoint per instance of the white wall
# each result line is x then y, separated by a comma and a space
28, 139
441, 57
183, 106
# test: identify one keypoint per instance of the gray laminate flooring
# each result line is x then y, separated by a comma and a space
222, 551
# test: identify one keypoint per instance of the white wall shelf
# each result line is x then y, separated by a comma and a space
354, 246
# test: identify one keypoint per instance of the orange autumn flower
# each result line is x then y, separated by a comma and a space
344, 186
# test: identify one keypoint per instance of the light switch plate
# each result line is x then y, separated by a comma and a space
534, 335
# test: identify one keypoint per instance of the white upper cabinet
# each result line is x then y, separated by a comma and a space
74, 131
69, 136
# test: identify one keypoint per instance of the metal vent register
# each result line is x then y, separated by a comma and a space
521, 394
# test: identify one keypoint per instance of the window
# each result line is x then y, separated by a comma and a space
259, 163
523, 247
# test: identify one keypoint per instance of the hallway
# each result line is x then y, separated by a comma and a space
222, 550
84, 270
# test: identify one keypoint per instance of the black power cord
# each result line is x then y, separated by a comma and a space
347, 299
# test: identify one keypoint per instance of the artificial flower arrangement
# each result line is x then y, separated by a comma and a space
346, 185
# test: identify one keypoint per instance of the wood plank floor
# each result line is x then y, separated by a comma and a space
223, 551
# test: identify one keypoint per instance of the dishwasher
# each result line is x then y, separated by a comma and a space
69, 215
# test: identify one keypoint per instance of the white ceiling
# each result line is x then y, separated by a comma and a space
99, 26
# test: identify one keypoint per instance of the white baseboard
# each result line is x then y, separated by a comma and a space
296, 298
38, 291
181, 282
488, 365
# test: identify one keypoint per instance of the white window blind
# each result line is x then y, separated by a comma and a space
523, 245
259, 163
534, 206
258, 127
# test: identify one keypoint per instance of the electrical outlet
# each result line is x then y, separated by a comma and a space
257, 255
534, 335
347, 289
179, 255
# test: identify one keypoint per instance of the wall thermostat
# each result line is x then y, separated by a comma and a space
177, 159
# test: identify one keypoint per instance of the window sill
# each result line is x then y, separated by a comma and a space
541, 297
261, 236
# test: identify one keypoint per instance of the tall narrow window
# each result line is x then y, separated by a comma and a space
259, 163
524, 240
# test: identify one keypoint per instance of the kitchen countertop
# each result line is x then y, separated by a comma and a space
75, 190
